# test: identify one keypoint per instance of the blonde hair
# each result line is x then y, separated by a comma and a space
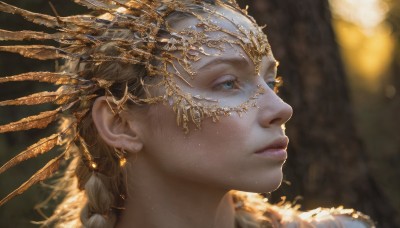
93, 186
97, 196
94, 198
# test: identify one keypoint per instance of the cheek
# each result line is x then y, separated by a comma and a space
211, 147
224, 133
220, 154
228, 130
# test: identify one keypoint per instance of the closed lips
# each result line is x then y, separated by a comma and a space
278, 144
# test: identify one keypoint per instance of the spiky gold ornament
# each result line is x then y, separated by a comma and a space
82, 39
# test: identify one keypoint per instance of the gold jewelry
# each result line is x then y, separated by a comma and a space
151, 44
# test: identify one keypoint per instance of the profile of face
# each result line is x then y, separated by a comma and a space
239, 151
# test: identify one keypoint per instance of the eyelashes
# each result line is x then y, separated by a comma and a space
227, 83
231, 83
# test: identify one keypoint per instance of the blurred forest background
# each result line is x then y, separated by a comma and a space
340, 60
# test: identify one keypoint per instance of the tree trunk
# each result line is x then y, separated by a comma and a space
327, 164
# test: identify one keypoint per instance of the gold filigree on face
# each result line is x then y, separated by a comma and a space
135, 51
166, 51
207, 34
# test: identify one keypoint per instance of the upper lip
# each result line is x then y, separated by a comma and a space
279, 143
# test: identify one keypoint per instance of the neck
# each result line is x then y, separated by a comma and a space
160, 201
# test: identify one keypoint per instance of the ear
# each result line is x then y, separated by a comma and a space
116, 130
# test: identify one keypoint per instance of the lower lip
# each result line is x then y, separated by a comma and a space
275, 154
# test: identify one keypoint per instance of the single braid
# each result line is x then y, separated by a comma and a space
103, 186
103, 189
97, 212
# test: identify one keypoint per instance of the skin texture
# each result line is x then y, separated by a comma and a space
183, 180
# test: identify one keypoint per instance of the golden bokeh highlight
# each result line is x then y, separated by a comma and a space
366, 42
366, 54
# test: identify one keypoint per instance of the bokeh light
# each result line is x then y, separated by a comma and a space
365, 39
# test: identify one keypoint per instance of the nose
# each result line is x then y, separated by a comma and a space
272, 109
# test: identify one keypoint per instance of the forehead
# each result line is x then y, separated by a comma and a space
209, 41
225, 17
218, 30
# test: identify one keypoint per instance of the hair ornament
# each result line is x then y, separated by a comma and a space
138, 35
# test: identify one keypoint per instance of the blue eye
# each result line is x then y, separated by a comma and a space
228, 85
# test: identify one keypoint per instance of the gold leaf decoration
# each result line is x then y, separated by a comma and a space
41, 147
50, 77
33, 99
43, 97
24, 35
61, 37
44, 173
97, 5
71, 24
41, 52
41, 120
36, 18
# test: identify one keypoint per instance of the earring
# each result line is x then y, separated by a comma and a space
121, 154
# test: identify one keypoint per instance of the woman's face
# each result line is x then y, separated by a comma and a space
237, 152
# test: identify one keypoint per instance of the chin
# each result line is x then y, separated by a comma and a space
264, 184
276, 183
273, 181
272, 185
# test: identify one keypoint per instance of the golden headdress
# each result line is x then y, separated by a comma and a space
149, 45
156, 51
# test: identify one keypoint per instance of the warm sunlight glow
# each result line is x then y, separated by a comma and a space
366, 13
365, 40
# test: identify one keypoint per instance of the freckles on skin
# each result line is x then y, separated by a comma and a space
220, 154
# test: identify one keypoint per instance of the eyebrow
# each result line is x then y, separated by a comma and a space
234, 60
238, 61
